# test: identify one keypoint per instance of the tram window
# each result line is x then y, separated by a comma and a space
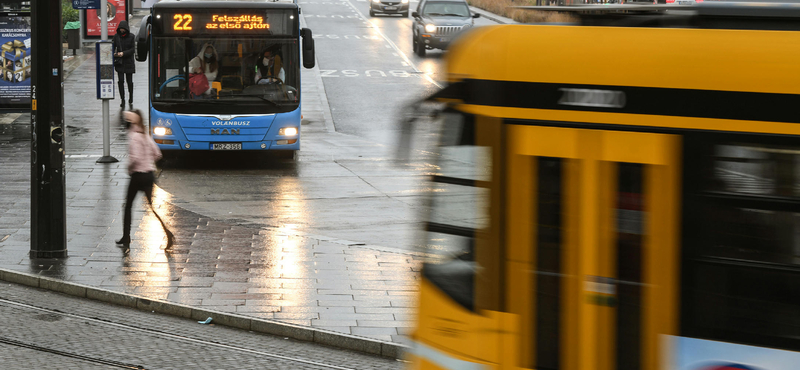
630, 239
752, 234
741, 254
750, 226
458, 209
548, 277
756, 169
461, 206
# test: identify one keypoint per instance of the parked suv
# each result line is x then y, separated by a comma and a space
388, 7
437, 22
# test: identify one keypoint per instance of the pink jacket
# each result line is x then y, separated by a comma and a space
142, 152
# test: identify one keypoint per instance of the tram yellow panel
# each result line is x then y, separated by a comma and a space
456, 330
544, 141
521, 204
673, 57
636, 147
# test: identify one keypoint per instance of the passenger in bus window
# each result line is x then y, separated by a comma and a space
206, 62
269, 67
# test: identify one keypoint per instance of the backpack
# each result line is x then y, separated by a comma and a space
198, 83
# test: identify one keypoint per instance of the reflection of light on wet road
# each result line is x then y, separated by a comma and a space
286, 254
428, 66
148, 245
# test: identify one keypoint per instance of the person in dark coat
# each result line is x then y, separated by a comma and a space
124, 45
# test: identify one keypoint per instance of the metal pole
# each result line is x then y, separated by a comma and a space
106, 158
83, 25
48, 193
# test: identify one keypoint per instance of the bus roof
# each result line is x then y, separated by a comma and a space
233, 4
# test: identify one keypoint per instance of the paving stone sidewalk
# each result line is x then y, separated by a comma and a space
270, 273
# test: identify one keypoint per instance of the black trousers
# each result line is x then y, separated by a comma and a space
140, 181
121, 83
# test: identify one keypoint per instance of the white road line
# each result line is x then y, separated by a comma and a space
394, 46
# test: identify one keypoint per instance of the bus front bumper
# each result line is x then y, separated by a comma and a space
280, 144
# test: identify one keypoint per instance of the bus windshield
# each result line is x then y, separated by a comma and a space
255, 75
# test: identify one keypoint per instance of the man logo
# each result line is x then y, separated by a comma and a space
224, 131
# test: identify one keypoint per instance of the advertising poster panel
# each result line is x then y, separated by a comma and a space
15, 82
115, 11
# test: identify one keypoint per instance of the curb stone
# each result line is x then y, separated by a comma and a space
319, 336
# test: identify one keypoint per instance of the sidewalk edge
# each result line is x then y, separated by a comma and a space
323, 96
299, 332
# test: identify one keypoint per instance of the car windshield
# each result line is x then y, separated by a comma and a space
238, 74
451, 9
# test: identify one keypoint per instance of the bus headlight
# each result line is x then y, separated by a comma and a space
161, 131
430, 28
288, 131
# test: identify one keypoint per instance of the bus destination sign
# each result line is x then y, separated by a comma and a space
210, 22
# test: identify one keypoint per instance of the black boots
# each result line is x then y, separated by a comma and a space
121, 96
130, 93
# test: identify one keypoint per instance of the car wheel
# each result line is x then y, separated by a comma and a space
371, 13
420, 48
405, 14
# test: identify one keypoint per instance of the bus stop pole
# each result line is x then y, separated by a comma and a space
106, 158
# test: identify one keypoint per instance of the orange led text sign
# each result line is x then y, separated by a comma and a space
246, 22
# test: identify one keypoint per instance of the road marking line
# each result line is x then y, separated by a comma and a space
397, 49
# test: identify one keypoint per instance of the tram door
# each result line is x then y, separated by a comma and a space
592, 236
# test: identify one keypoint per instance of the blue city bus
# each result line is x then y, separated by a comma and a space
244, 106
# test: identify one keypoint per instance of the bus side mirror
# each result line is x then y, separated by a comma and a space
143, 40
309, 58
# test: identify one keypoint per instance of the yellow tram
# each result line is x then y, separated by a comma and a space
620, 194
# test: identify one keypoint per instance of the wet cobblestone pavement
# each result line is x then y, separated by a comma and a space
220, 265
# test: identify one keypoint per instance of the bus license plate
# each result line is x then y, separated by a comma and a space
389, 8
226, 146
